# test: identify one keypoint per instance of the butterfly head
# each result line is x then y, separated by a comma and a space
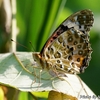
40, 61
36, 57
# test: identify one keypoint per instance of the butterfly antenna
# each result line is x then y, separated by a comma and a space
20, 44
32, 46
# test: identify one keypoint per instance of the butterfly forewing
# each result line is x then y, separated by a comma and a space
68, 49
82, 21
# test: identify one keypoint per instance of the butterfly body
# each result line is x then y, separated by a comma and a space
68, 49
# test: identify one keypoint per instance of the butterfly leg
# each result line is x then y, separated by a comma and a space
37, 76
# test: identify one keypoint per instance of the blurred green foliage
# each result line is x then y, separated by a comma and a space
37, 19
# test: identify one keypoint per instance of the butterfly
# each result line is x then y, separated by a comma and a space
68, 50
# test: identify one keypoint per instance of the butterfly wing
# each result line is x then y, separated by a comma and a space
68, 49
82, 21
70, 52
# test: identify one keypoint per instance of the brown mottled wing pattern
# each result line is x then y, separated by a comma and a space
68, 49
82, 21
